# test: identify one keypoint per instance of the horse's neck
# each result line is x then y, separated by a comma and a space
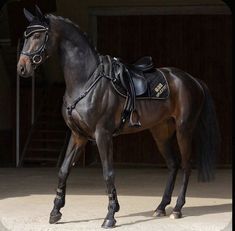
78, 60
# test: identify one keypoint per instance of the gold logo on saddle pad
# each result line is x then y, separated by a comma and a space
159, 89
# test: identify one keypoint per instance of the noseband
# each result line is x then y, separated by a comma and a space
36, 56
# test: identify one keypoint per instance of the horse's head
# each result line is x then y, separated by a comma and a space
34, 51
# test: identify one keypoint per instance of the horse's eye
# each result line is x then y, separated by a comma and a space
37, 35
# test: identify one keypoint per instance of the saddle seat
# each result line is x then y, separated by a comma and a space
144, 63
137, 70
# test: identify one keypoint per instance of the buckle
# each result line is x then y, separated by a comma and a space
37, 59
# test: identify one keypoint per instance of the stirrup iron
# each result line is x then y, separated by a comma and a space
135, 123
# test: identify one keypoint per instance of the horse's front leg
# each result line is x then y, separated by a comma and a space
105, 146
75, 147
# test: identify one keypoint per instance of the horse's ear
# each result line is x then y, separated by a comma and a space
38, 12
28, 15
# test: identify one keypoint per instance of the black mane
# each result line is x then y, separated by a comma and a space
77, 28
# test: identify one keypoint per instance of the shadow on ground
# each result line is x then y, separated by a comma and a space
190, 211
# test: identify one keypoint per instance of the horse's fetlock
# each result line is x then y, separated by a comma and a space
180, 202
59, 202
166, 201
113, 206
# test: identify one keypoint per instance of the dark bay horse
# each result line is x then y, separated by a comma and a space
187, 114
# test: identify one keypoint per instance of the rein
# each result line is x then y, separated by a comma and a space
36, 56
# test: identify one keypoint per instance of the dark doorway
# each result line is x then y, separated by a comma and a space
198, 44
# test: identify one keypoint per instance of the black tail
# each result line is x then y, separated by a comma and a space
207, 139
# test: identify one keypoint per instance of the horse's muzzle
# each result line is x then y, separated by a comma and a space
24, 67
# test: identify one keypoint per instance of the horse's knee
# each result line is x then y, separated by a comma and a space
62, 175
108, 176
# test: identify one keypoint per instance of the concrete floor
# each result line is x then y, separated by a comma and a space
26, 197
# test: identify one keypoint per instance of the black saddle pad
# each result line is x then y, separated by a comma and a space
157, 86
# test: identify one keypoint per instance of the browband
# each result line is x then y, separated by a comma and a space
34, 29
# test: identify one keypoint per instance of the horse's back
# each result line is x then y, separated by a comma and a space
185, 90
180, 81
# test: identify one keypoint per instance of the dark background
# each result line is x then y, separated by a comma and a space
198, 43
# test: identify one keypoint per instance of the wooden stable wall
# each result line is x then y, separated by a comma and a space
198, 44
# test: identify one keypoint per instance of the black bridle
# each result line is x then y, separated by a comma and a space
36, 56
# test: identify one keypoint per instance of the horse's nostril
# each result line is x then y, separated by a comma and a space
22, 69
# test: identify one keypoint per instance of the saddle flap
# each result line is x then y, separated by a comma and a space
140, 83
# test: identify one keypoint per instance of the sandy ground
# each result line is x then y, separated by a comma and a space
26, 199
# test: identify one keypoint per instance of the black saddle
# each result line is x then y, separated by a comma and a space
137, 70
145, 63
132, 78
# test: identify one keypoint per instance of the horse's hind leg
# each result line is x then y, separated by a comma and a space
184, 138
163, 136
75, 148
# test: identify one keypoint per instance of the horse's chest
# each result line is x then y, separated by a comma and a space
79, 120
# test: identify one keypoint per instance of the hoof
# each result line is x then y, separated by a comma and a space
54, 218
159, 213
108, 223
176, 215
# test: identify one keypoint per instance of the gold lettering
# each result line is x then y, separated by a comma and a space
158, 87
161, 90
